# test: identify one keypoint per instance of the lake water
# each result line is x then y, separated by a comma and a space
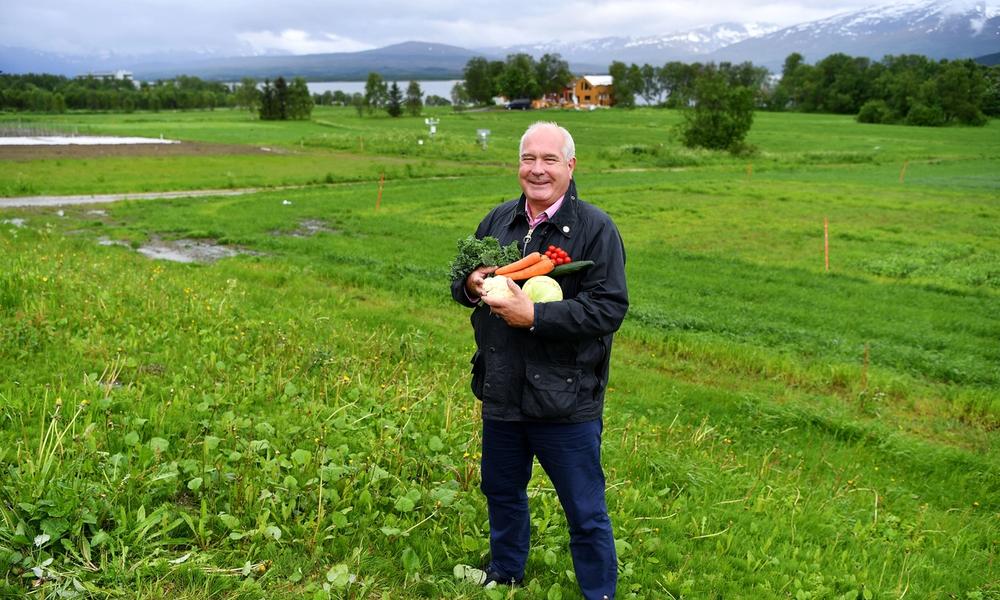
429, 88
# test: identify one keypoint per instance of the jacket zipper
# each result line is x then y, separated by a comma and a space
527, 238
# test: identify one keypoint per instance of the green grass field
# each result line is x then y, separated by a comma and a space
296, 422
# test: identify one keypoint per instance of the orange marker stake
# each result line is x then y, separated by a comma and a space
381, 182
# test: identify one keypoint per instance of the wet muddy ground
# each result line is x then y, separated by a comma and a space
307, 228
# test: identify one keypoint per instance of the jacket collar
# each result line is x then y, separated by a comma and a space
565, 218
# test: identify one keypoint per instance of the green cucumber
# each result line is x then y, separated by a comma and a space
570, 267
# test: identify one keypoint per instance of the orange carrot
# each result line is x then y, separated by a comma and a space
517, 265
542, 267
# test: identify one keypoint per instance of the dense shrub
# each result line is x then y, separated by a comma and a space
875, 111
721, 116
925, 116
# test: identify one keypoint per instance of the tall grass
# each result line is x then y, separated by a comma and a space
297, 422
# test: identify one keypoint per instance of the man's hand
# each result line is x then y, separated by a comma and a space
474, 282
517, 310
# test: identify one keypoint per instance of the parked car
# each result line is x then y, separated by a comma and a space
519, 104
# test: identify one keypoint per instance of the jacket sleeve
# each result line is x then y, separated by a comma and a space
600, 306
458, 285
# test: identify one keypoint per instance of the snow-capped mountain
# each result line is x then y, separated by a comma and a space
935, 28
656, 50
938, 29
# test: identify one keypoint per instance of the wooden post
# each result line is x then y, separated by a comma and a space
826, 243
902, 172
378, 200
749, 171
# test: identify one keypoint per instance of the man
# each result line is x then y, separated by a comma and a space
541, 369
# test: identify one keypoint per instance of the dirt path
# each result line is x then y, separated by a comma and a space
23, 201
68, 151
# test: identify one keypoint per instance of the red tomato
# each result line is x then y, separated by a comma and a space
551, 248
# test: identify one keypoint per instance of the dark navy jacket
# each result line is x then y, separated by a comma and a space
558, 370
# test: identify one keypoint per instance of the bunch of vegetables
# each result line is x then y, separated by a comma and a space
535, 269
531, 265
558, 255
474, 253
540, 288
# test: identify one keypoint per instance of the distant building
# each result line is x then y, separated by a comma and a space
589, 91
594, 90
120, 75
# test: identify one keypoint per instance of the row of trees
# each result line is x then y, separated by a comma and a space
673, 84
342, 98
56, 93
520, 76
379, 95
909, 89
275, 101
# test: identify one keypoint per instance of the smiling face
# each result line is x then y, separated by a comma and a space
544, 172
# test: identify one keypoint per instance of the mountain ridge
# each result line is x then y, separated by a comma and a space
939, 29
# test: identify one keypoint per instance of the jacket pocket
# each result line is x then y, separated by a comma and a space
478, 374
550, 391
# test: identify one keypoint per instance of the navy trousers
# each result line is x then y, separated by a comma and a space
570, 453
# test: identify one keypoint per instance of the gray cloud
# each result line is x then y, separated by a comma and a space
305, 26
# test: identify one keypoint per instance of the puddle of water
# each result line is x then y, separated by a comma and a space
186, 251
15, 222
182, 251
106, 242
307, 228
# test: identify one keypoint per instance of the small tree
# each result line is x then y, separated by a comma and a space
459, 96
247, 95
721, 116
414, 99
395, 104
626, 82
280, 99
552, 74
480, 78
518, 79
375, 92
268, 102
358, 102
300, 103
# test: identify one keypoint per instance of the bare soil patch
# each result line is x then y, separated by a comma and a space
127, 150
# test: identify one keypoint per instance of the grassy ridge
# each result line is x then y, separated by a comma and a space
298, 423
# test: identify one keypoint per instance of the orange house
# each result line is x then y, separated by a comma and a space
594, 90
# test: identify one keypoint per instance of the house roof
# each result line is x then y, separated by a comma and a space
596, 80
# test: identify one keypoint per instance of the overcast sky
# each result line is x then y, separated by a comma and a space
312, 26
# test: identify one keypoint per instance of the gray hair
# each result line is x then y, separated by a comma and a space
568, 147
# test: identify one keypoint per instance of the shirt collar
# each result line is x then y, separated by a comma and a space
565, 220
545, 215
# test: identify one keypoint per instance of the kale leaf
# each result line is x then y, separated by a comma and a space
474, 253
